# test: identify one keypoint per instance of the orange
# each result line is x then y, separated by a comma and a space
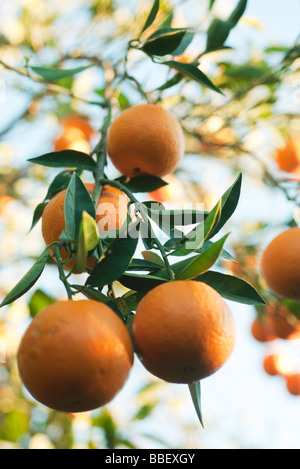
276, 364
76, 134
282, 323
145, 139
184, 331
75, 356
288, 157
111, 213
293, 384
173, 192
280, 264
260, 332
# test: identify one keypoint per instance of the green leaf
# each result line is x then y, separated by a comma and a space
142, 283
195, 390
225, 254
237, 13
211, 4
27, 282
38, 214
66, 159
195, 238
39, 301
87, 241
219, 30
152, 15
144, 184
232, 288
164, 42
53, 74
229, 203
93, 294
217, 34
177, 78
143, 265
201, 263
153, 257
118, 257
194, 73
186, 41
77, 201
59, 183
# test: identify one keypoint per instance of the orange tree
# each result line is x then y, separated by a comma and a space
209, 125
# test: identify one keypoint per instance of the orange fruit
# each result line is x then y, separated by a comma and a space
111, 213
76, 134
75, 356
184, 331
173, 192
276, 364
145, 139
261, 332
293, 384
288, 157
282, 323
280, 264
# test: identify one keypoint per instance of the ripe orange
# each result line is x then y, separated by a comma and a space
276, 364
111, 213
280, 265
293, 384
76, 134
145, 139
75, 356
288, 157
184, 331
260, 331
282, 323
173, 192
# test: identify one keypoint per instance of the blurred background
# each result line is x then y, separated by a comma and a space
249, 129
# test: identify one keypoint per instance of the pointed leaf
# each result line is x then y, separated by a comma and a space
217, 34
195, 390
87, 241
93, 294
153, 257
52, 74
27, 282
66, 159
77, 201
237, 13
202, 263
37, 214
59, 183
230, 200
186, 41
194, 73
39, 301
117, 258
232, 288
142, 283
172, 82
152, 15
164, 42
195, 238
145, 184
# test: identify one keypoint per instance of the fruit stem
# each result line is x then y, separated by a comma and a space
62, 276
101, 153
144, 215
